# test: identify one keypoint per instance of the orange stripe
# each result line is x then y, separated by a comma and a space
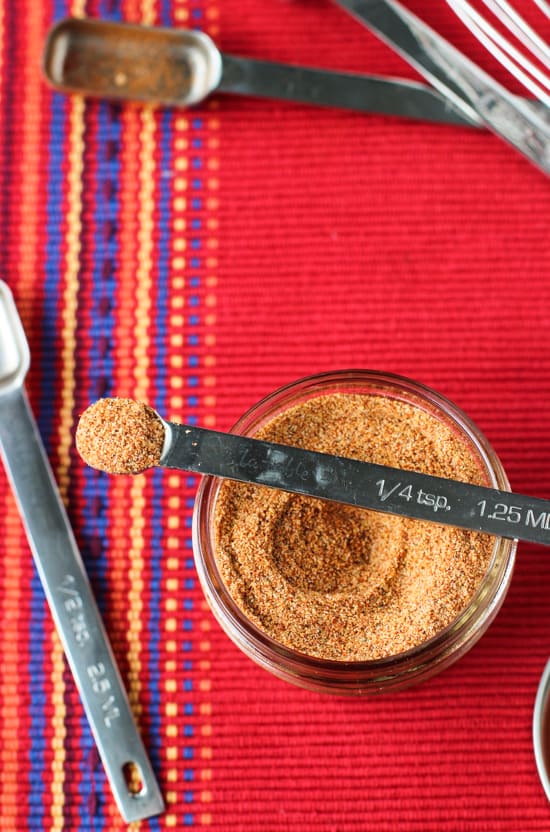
131, 373
10, 735
29, 156
11, 752
127, 263
27, 208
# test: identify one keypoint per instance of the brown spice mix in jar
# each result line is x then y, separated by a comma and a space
341, 583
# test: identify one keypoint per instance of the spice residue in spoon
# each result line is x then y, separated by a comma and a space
120, 436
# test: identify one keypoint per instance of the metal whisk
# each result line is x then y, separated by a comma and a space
510, 52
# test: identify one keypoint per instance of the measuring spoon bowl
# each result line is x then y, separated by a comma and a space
131, 62
14, 348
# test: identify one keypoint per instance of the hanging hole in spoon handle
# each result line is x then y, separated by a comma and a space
130, 62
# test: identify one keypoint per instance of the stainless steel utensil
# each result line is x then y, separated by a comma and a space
65, 582
111, 427
471, 89
178, 67
541, 730
351, 481
514, 54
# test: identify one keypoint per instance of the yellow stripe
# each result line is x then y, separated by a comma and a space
65, 411
148, 14
141, 389
141, 392
173, 543
65, 423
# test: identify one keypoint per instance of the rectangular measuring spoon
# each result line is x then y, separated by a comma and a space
66, 584
124, 61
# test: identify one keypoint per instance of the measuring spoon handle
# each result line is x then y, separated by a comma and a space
339, 90
74, 610
179, 67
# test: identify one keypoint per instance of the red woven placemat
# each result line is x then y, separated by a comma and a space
199, 260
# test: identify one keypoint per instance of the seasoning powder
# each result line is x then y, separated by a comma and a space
120, 436
342, 583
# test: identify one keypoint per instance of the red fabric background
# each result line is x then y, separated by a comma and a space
332, 240
351, 241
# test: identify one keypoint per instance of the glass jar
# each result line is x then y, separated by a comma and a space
357, 677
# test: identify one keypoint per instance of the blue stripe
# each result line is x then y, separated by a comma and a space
47, 407
99, 369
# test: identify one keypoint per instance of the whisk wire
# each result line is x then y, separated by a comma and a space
543, 6
519, 27
515, 61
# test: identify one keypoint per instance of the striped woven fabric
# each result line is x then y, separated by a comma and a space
198, 260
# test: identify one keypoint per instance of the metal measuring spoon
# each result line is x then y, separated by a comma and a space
65, 582
541, 730
131, 62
